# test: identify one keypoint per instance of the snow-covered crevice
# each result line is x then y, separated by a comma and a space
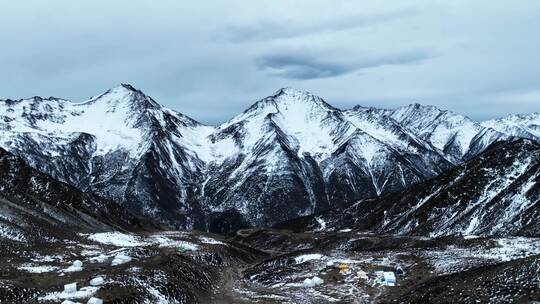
519, 203
493, 189
11, 233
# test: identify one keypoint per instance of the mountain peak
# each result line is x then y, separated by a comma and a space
123, 89
535, 116
289, 96
291, 91
294, 93
128, 86
125, 93
417, 106
519, 125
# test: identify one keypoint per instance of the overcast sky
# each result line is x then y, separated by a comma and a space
212, 59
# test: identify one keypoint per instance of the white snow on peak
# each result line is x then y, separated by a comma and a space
199, 139
373, 128
382, 127
439, 127
111, 118
122, 119
527, 126
310, 124
317, 127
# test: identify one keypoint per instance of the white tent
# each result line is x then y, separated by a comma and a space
388, 278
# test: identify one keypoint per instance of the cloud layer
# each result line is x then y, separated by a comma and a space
308, 66
266, 29
212, 59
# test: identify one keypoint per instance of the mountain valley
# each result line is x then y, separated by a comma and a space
291, 201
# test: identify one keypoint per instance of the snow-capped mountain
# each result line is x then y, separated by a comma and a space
457, 136
120, 144
293, 154
495, 193
524, 126
288, 155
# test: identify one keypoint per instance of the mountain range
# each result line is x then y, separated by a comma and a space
495, 193
288, 155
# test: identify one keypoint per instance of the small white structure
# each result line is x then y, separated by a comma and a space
70, 288
312, 282
317, 281
76, 266
93, 300
378, 273
362, 275
69, 302
388, 278
97, 281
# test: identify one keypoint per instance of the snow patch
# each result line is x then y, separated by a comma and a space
118, 239
97, 281
308, 257
120, 258
321, 222
37, 268
211, 241
83, 293
11, 234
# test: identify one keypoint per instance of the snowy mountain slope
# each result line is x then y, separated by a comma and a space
524, 126
410, 152
294, 154
495, 193
288, 155
120, 144
273, 167
274, 161
34, 207
457, 136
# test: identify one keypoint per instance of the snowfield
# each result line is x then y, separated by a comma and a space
118, 239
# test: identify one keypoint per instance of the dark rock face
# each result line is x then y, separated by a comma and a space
504, 283
289, 155
226, 222
36, 207
495, 193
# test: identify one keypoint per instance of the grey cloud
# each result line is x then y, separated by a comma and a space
300, 67
306, 66
349, 52
278, 29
